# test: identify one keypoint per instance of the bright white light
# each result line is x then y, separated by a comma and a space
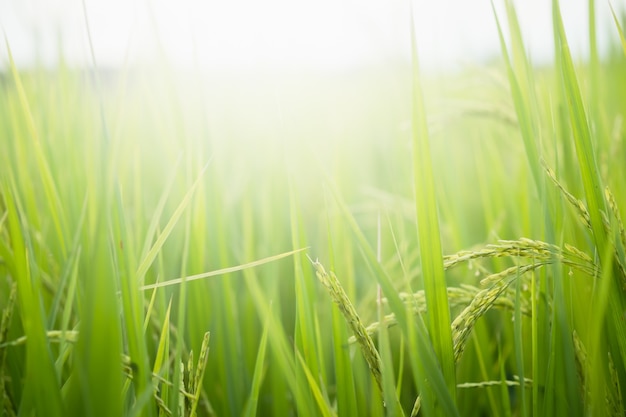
321, 34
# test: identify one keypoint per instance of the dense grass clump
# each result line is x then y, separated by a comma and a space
302, 244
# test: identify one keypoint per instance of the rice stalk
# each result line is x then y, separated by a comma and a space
529, 249
619, 245
458, 297
161, 404
482, 302
199, 375
578, 205
610, 199
192, 391
479, 302
585, 217
541, 253
342, 301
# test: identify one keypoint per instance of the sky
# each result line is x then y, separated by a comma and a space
279, 34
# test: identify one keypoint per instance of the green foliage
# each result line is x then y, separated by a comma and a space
154, 233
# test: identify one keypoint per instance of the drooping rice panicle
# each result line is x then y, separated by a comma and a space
530, 249
458, 296
578, 205
482, 302
340, 298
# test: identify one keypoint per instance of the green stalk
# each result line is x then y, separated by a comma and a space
431, 258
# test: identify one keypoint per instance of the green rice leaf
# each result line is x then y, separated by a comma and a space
619, 28
431, 257
259, 374
222, 271
158, 244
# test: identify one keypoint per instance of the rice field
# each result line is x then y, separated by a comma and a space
374, 243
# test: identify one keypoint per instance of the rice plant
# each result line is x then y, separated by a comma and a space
183, 246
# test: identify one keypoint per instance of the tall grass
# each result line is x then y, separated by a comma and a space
283, 244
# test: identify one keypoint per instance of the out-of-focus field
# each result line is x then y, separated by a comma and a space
114, 183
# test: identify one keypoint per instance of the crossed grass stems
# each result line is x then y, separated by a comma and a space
528, 255
494, 292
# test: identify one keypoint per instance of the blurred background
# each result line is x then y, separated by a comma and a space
279, 34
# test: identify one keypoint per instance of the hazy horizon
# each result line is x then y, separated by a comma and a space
280, 35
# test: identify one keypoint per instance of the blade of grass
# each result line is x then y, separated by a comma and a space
154, 223
517, 83
317, 394
222, 271
619, 28
587, 162
42, 391
161, 360
132, 301
281, 362
596, 346
583, 141
158, 244
392, 402
55, 206
344, 372
519, 345
429, 239
426, 369
305, 336
259, 373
